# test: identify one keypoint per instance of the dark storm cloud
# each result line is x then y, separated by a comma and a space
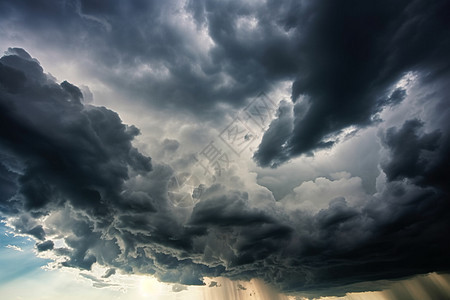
8, 186
147, 43
63, 148
416, 156
75, 163
343, 56
45, 246
273, 142
349, 54
72, 163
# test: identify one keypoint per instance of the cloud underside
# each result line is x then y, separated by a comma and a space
69, 170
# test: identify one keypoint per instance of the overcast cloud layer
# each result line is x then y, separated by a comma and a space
71, 171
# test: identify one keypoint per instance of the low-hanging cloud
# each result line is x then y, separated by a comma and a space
75, 164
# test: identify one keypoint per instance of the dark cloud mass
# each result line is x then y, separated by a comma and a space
72, 163
64, 149
343, 57
411, 153
69, 170
350, 54
45, 246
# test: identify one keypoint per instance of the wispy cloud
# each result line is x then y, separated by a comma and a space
14, 247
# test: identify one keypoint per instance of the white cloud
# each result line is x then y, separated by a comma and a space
14, 247
316, 194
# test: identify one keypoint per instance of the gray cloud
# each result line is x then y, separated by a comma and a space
75, 163
45, 246
192, 56
159, 53
350, 54
109, 273
410, 153
345, 63
66, 149
178, 288
274, 140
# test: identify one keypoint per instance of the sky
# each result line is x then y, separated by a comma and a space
291, 149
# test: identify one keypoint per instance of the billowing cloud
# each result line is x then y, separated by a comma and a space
316, 195
63, 149
60, 152
420, 157
80, 182
75, 164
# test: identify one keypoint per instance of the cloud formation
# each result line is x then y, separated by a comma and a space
75, 164
420, 157
350, 56
343, 58
72, 177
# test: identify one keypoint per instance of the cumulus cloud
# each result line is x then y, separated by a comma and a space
316, 195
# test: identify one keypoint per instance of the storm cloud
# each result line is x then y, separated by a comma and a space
343, 58
350, 56
80, 182
75, 164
